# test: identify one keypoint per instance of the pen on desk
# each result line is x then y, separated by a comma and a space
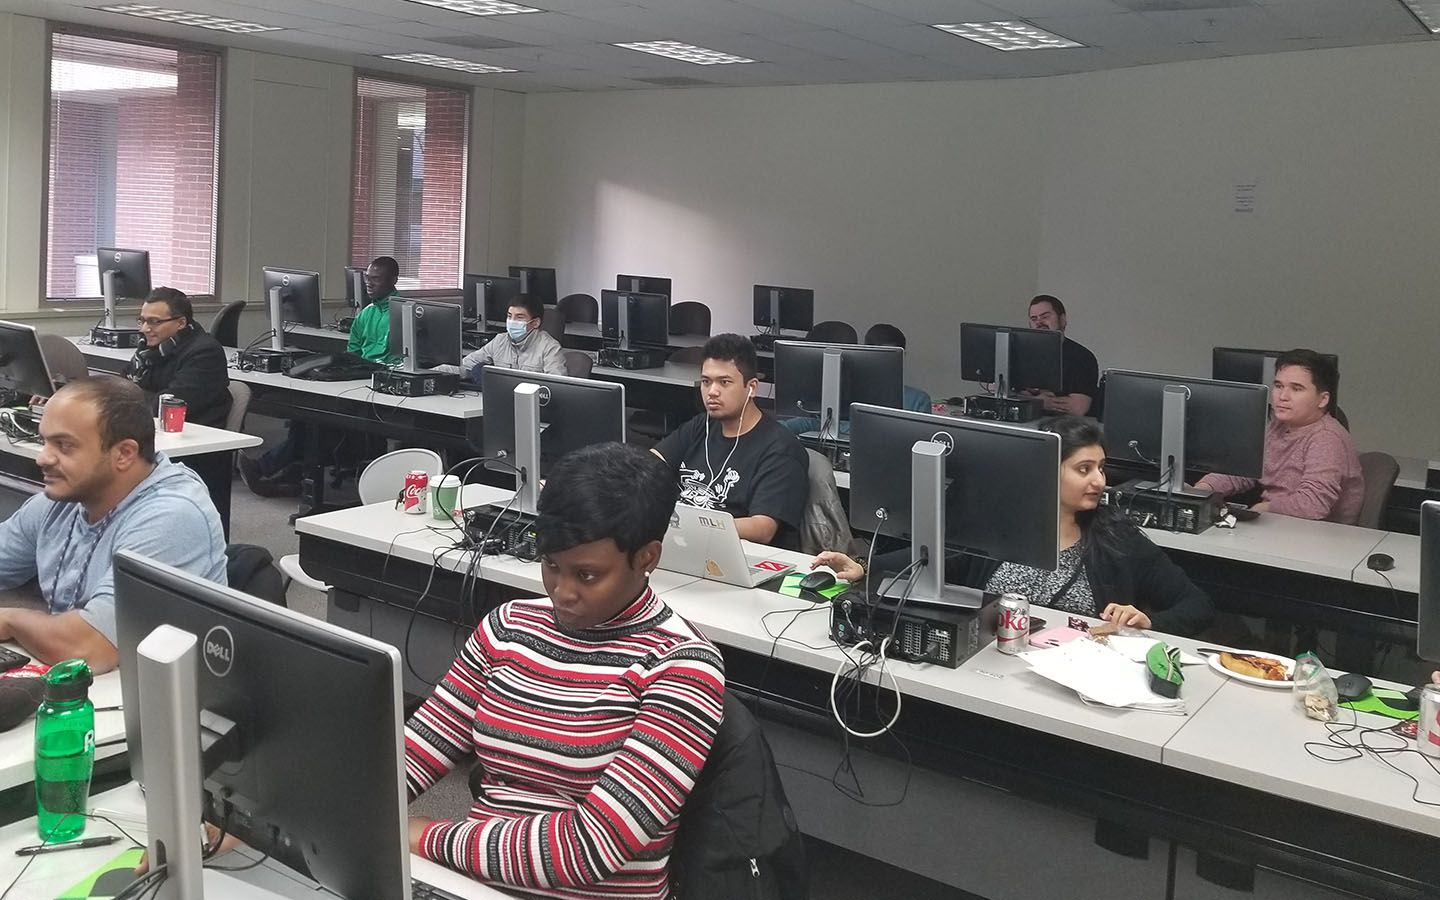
36, 849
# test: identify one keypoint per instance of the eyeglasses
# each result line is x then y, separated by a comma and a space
152, 322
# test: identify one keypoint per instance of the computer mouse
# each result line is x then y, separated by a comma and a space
818, 580
1380, 562
1351, 686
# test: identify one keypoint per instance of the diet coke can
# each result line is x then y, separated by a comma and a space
1427, 727
417, 488
1012, 627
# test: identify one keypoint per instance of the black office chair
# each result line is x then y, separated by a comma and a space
553, 323
580, 308
225, 327
251, 569
833, 332
690, 317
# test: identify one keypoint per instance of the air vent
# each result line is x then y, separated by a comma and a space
1180, 5
478, 42
674, 81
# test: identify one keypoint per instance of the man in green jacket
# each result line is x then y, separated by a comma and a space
370, 333
277, 472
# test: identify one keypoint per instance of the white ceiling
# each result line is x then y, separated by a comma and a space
568, 46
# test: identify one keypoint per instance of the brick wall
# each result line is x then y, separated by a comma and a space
443, 217
164, 162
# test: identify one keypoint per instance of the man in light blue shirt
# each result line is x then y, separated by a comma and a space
106, 489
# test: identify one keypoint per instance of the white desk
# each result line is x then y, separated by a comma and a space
194, 440
51, 873
678, 374
17, 746
466, 406
1415, 472
1281, 542
1405, 550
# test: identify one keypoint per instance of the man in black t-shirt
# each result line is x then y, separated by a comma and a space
1080, 370
736, 458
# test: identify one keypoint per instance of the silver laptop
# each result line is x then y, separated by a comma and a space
704, 543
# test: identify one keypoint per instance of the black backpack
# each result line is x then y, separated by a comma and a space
738, 839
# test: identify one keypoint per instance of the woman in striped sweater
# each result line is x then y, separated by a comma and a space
591, 713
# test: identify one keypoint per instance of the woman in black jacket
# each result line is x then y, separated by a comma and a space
1108, 567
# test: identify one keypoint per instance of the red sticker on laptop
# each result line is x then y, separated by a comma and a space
771, 565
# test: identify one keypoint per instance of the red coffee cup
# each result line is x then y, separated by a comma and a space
172, 413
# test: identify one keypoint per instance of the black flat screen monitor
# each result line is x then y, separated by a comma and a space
355, 287
998, 494
794, 307
1036, 357
299, 691
643, 284
22, 362
1427, 631
647, 318
536, 282
437, 332
865, 374
1223, 424
1258, 367
130, 270
299, 295
488, 297
574, 413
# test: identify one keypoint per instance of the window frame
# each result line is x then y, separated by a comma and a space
468, 90
89, 304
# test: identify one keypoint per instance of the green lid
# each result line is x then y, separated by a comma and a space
68, 680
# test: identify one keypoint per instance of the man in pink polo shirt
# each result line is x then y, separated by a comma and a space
1311, 468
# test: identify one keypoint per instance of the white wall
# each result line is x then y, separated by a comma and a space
22, 160
923, 204
888, 200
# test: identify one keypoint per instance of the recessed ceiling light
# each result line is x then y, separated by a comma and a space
1427, 11
480, 7
686, 53
1010, 36
181, 17
446, 62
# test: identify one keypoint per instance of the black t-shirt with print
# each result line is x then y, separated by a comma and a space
764, 473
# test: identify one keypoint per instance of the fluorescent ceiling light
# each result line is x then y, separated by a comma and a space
446, 62
71, 75
1009, 36
686, 53
181, 17
480, 7
1427, 11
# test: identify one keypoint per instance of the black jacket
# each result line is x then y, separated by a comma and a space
194, 370
1139, 575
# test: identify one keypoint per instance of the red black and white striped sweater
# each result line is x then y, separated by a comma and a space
590, 743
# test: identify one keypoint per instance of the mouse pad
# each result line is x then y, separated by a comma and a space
1373, 702
790, 587
108, 880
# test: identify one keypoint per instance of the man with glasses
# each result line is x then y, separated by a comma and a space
180, 358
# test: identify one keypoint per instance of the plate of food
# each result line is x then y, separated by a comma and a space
1254, 667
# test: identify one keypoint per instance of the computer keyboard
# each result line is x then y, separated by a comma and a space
419, 890
11, 659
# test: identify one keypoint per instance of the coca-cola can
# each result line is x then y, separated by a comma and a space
417, 489
1427, 727
1012, 627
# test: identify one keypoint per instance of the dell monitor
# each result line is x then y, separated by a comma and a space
124, 275
1427, 629
293, 298
1258, 367
536, 282
424, 334
270, 695
822, 380
1175, 423
1011, 359
979, 487
642, 284
355, 294
780, 309
488, 297
635, 319
22, 362
532, 419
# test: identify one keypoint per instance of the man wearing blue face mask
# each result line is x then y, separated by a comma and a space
523, 346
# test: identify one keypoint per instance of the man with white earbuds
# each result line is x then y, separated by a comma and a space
736, 458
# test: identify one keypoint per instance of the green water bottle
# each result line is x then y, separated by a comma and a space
64, 751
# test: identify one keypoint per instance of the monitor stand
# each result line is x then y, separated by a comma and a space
106, 334
276, 358
926, 582
1000, 405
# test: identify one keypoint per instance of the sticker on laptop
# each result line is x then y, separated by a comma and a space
711, 523
771, 565
713, 568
